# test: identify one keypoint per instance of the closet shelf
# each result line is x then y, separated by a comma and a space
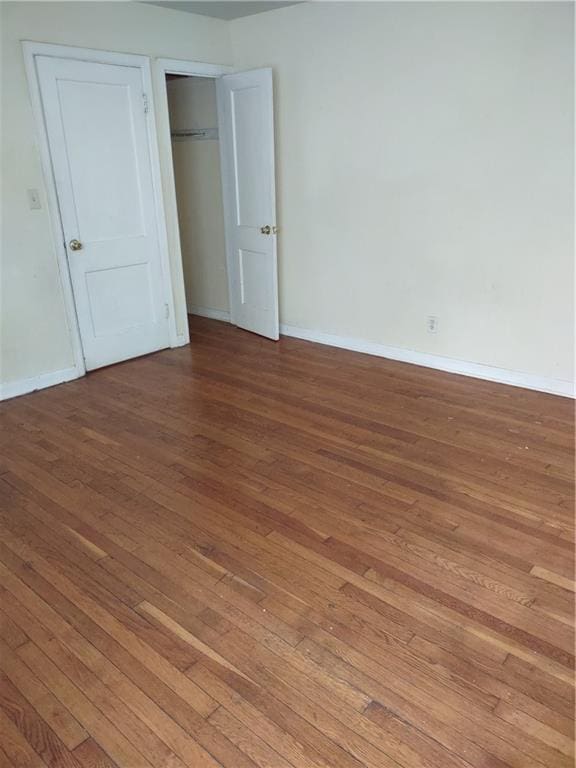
195, 134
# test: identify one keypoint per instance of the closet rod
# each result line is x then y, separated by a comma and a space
195, 133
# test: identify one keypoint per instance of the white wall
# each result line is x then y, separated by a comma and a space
424, 168
425, 156
35, 340
192, 104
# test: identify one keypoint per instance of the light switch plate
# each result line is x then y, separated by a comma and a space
33, 199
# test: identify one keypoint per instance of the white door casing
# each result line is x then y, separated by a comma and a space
246, 122
96, 126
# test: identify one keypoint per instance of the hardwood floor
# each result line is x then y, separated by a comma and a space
244, 554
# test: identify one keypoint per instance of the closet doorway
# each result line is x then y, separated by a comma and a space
197, 178
222, 145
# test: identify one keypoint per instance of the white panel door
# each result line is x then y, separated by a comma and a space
98, 137
245, 114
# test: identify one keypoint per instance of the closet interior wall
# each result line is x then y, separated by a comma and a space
192, 108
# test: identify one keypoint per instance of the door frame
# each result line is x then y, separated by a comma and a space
162, 68
31, 50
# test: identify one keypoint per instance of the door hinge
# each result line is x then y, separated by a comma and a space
145, 100
166, 311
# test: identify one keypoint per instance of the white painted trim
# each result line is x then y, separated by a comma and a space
192, 68
96, 55
226, 180
213, 314
162, 67
182, 339
33, 49
24, 386
175, 339
30, 50
462, 367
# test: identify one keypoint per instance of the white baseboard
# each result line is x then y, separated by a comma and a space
180, 341
24, 386
462, 367
213, 314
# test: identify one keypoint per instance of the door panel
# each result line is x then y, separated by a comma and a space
253, 286
120, 299
99, 116
245, 113
98, 141
251, 175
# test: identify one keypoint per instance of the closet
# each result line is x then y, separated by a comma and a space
196, 157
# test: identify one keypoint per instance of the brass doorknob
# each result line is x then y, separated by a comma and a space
75, 245
266, 230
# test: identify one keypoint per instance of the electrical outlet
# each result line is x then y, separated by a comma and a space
33, 199
432, 324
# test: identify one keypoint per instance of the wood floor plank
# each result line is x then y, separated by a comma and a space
342, 562
100, 727
10, 632
15, 748
90, 755
57, 717
36, 731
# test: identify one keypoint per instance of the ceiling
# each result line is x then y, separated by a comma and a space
233, 9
